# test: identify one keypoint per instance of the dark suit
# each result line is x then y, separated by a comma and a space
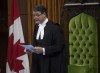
54, 60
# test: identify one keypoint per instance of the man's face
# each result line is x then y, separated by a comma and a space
38, 17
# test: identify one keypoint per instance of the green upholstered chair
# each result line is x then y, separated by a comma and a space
83, 44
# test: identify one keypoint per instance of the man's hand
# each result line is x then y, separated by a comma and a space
38, 50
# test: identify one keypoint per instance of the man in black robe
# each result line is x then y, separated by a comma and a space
49, 53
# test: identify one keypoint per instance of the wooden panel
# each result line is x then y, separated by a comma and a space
3, 34
24, 19
3, 16
3, 50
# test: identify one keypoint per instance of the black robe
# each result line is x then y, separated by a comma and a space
54, 60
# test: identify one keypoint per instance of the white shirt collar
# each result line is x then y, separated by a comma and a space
41, 29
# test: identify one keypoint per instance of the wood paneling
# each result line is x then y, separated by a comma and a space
3, 34
3, 50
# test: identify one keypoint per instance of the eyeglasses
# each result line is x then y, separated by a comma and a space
37, 14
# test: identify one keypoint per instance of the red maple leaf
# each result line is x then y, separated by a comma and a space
15, 51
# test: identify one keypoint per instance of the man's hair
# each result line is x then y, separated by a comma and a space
40, 8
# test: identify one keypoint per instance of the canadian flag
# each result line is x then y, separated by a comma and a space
17, 58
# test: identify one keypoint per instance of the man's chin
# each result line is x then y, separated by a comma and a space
37, 22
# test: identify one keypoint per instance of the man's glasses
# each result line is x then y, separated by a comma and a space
37, 14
